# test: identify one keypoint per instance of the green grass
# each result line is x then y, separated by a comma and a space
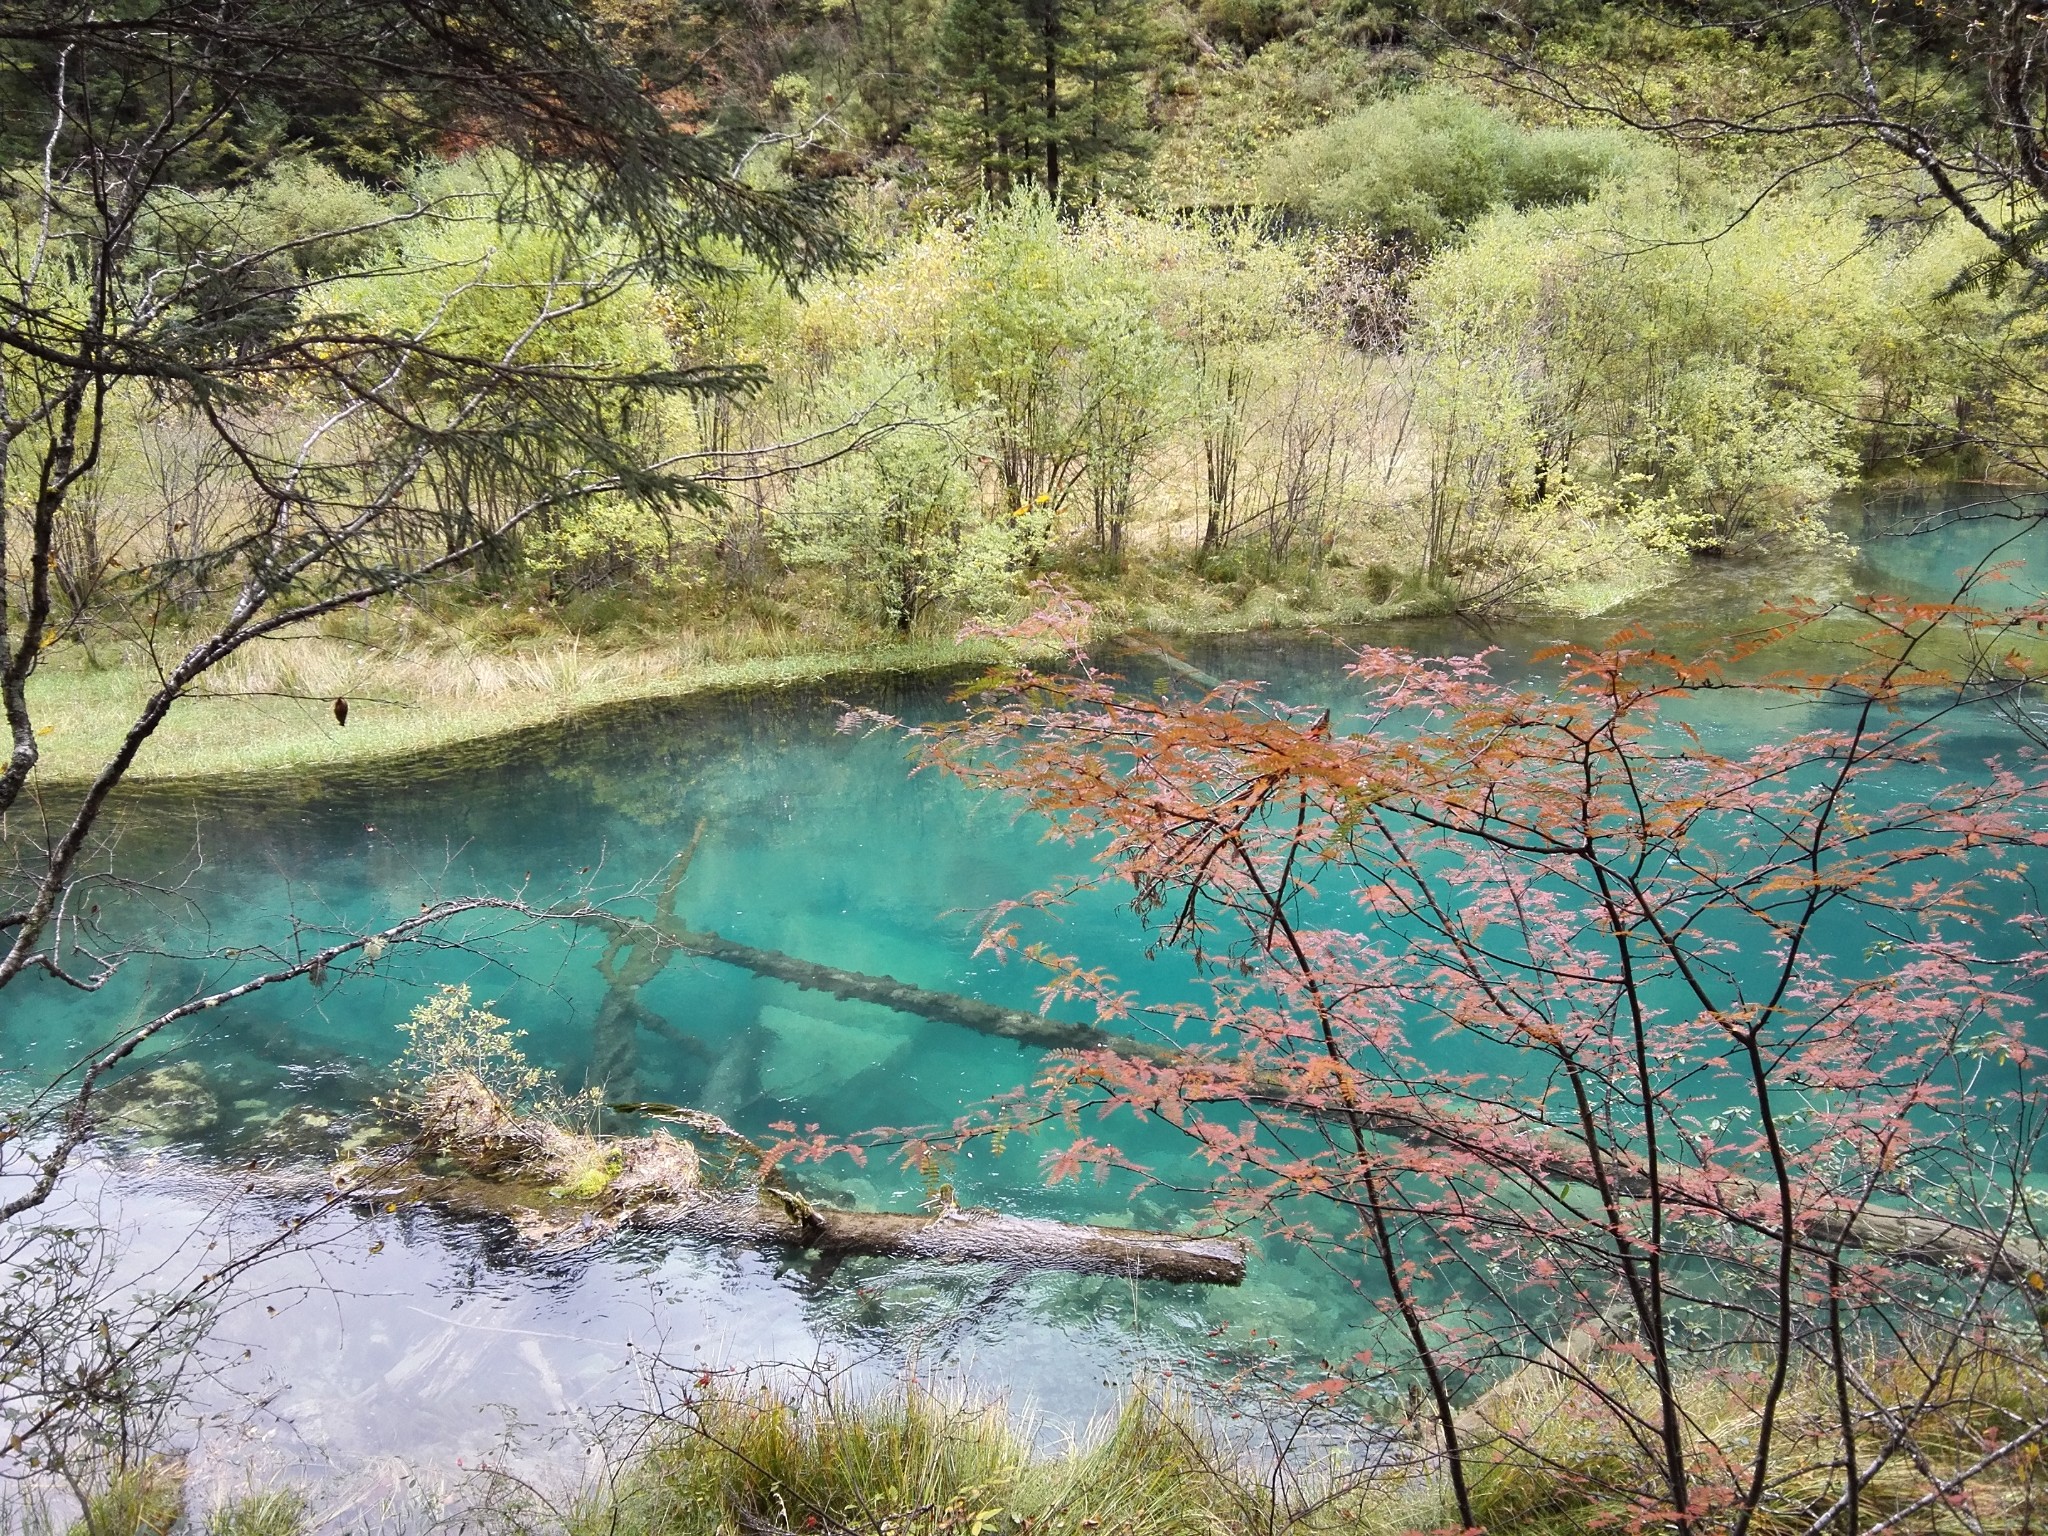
148, 1500
1544, 1457
278, 1513
409, 707
422, 682
917, 1464
748, 1455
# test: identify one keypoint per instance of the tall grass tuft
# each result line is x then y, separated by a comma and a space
281, 1512
1547, 1456
917, 1464
146, 1500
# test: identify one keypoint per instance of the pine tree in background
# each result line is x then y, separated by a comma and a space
983, 123
893, 46
1049, 92
1109, 47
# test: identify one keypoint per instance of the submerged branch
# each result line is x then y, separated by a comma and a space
946, 1007
2010, 1258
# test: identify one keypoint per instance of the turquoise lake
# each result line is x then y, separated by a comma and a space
815, 843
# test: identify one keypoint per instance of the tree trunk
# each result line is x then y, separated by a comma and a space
956, 1236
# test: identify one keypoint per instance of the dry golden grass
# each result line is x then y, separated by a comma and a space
1547, 1454
270, 710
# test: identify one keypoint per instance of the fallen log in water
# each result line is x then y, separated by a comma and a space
2010, 1258
562, 1188
946, 1007
954, 1235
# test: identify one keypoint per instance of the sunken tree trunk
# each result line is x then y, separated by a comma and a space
640, 950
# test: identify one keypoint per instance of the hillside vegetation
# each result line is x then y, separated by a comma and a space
1264, 311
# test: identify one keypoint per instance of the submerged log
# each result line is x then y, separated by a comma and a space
633, 958
946, 1007
2010, 1258
562, 1188
1207, 681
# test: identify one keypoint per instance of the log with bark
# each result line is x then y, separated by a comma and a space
562, 1188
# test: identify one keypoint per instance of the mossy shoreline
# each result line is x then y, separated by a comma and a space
229, 740
426, 713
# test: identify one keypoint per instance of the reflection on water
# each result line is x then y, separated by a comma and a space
386, 1355
401, 1330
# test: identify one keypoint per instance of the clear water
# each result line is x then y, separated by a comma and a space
814, 843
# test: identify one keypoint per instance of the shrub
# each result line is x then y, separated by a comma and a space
897, 513
1423, 167
1698, 367
449, 1036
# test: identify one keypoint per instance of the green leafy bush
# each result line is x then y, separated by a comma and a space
898, 512
1699, 369
1251, 24
1424, 166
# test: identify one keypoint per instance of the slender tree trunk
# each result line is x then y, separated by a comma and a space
1051, 87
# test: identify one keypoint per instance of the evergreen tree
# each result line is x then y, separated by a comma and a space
1044, 91
984, 119
893, 43
1109, 47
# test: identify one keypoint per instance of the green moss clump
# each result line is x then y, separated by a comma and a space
592, 1178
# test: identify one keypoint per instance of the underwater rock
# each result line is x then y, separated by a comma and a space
175, 1102
808, 1055
302, 1130
376, 1132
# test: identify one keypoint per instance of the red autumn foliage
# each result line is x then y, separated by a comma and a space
1560, 1018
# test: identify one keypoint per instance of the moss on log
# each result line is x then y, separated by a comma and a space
561, 1188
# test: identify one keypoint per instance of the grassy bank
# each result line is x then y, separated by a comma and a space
425, 680
734, 1458
421, 681
276, 714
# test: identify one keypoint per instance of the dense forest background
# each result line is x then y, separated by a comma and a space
1232, 312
